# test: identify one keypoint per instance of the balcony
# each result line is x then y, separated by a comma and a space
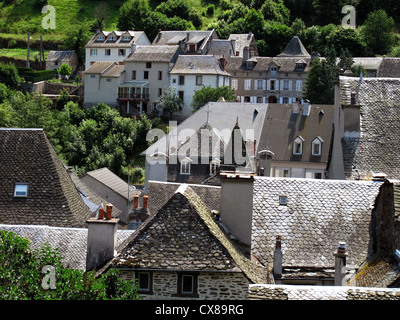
133, 96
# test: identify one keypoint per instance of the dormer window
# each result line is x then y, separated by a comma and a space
126, 38
185, 166
300, 65
214, 166
21, 190
298, 146
273, 71
317, 146
112, 38
100, 38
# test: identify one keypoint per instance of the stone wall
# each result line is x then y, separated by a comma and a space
211, 285
288, 292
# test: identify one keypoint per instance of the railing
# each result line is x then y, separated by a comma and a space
133, 96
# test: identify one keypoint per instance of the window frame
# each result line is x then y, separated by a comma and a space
199, 80
148, 290
145, 75
185, 164
298, 141
214, 166
25, 195
316, 142
194, 292
107, 52
181, 80
93, 52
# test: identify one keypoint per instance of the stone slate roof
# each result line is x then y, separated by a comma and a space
244, 40
318, 214
26, 155
376, 150
198, 64
119, 43
390, 68
290, 292
284, 63
160, 192
160, 53
295, 48
220, 48
190, 36
65, 55
282, 126
99, 67
184, 236
70, 242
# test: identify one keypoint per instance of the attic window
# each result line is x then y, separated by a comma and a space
316, 147
21, 190
299, 67
100, 38
112, 38
283, 200
126, 38
298, 146
185, 166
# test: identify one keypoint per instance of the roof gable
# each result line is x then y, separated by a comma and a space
294, 48
182, 235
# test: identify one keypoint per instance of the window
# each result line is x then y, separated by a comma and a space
93, 52
283, 200
181, 80
185, 166
92, 76
159, 92
298, 146
112, 38
181, 95
192, 47
100, 38
314, 174
187, 284
21, 190
108, 52
159, 75
126, 38
259, 99
108, 80
259, 84
273, 71
234, 84
148, 65
133, 74
299, 67
145, 75
285, 100
214, 166
121, 52
247, 84
247, 99
299, 85
199, 80
316, 147
282, 173
285, 85
145, 282
272, 85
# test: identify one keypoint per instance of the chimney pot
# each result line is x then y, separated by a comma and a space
277, 267
340, 264
101, 213
136, 201
109, 208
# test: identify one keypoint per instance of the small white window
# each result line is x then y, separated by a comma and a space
282, 173
121, 52
126, 38
214, 166
317, 146
112, 38
185, 166
199, 80
298, 146
92, 76
247, 84
234, 84
100, 38
108, 80
93, 52
21, 190
108, 52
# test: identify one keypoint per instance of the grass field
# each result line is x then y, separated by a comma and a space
18, 53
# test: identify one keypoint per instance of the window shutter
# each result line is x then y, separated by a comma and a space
290, 85
264, 84
280, 100
268, 85
255, 84
281, 87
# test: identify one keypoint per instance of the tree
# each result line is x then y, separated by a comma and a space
170, 102
275, 10
21, 275
208, 94
378, 32
101, 13
65, 70
9, 75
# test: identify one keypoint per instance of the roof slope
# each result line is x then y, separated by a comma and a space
318, 214
184, 236
282, 126
26, 155
376, 150
198, 64
294, 48
65, 55
70, 242
160, 53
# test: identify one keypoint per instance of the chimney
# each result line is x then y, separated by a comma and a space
133, 46
246, 53
306, 109
277, 267
135, 201
237, 204
101, 240
138, 215
265, 159
351, 116
223, 62
353, 98
340, 264
145, 201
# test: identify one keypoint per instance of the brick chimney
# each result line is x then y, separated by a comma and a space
237, 204
101, 239
138, 214
277, 267
340, 264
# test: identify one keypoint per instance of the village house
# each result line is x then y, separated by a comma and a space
112, 46
113, 189
35, 187
242, 41
366, 121
101, 83
55, 59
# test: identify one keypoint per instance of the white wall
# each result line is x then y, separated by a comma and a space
98, 90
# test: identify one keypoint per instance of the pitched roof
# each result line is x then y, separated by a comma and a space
65, 55
198, 64
100, 67
294, 48
318, 214
27, 156
375, 150
70, 242
283, 126
242, 41
175, 37
285, 64
390, 68
184, 236
112, 181
220, 48
119, 43
114, 71
162, 53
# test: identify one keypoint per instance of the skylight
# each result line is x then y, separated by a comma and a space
21, 190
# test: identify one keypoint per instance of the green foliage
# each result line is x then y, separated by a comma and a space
21, 276
170, 102
65, 69
208, 94
9, 75
275, 10
378, 32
